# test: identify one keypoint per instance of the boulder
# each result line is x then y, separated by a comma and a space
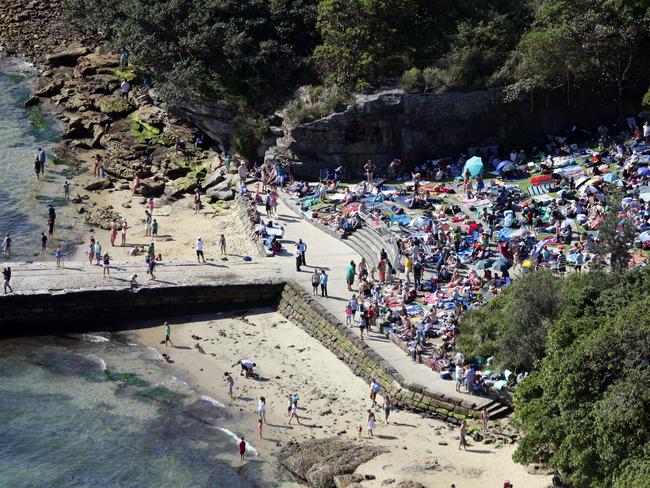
32, 101
221, 186
153, 116
75, 129
49, 89
152, 188
67, 57
538, 469
214, 178
348, 480
409, 484
224, 196
318, 461
101, 217
113, 105
88, 65
100, 184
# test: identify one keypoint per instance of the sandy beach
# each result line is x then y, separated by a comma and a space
333, 401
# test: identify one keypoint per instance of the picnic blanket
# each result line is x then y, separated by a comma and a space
475, 201
539, 190
541, 180
506, 234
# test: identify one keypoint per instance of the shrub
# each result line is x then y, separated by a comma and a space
412, 81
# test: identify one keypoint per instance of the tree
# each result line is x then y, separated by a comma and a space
615, 234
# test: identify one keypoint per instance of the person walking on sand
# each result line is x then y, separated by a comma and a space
324, 278
40, 157
66, 191
242, 448
372, 423
315, 282
58, 254
125, 226
151, 266
375, 388
199, 250
151, 205
154, 229
463, 435
37, 169
147, 223
43, 242
6, 274
106, 265
222, 245
388, 405
230, 383
261, 409
168, 334
6, 245
298, 257
260, 427
293, 407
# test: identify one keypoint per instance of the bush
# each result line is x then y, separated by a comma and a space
412, 81
315, 102
434, 80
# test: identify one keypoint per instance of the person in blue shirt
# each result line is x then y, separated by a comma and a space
324, 278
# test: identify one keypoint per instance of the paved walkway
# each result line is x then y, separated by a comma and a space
323, 252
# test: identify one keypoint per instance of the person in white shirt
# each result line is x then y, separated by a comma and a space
199, 250
646, 131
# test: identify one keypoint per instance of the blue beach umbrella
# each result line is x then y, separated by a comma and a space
475, 166
611, 178
504, 166
484, 264
644, 171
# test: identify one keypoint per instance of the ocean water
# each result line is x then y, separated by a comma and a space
83, 411
24, 200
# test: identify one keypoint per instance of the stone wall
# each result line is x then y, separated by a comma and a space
113, 309
299, 306
391, 124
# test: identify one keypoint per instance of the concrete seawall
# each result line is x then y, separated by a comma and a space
87, 310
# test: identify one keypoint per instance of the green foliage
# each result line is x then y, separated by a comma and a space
615, 235
585, 411
412, 81
645, 102
315, 102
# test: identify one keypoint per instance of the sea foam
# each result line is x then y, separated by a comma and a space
235, 437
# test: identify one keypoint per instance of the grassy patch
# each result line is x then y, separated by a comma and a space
142, 132
124, 74
37, 119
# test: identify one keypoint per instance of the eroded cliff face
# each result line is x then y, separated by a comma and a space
391, 124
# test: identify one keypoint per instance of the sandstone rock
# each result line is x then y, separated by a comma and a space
149, 188
88, 65
67, 57
538, 469
318, 461
75, 129
224, 195
217, 178
100, 184
113, 105
409, 484
153, 116
49, 89
101, 217
32, 101
347, 480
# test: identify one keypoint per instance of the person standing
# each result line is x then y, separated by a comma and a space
463, 435
154, 229
293, 408
37, 168
372, 423
261, 409
375, 388
302, 247
260, 427
43, 242
147, 223
151, 205
298, 257
222, 245
324, 278
6, 274
485, 416
6, 245
350, 273
199, 250
315, 281
125, 88
66, 191
369, 167
98, 252
168, 334
40, 157
113, 232
125, 226
388, 405
151, 265
106, 265
242, 448
50, 221
197, 201
230, 383
57, 254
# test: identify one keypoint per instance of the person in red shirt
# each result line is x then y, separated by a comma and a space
242, 448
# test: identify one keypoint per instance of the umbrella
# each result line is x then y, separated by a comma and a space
611, 177
501, 265
645, 236
505, 166
645, 171
484, 264
475, 166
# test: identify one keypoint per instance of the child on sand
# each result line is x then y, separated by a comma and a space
168, 333
106, 266
222, 244
260, 427
242, 448
154, 229
57, 254
372, 423
348, 315
359, 431
230, 382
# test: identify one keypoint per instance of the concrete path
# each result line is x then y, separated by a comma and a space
323, 252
